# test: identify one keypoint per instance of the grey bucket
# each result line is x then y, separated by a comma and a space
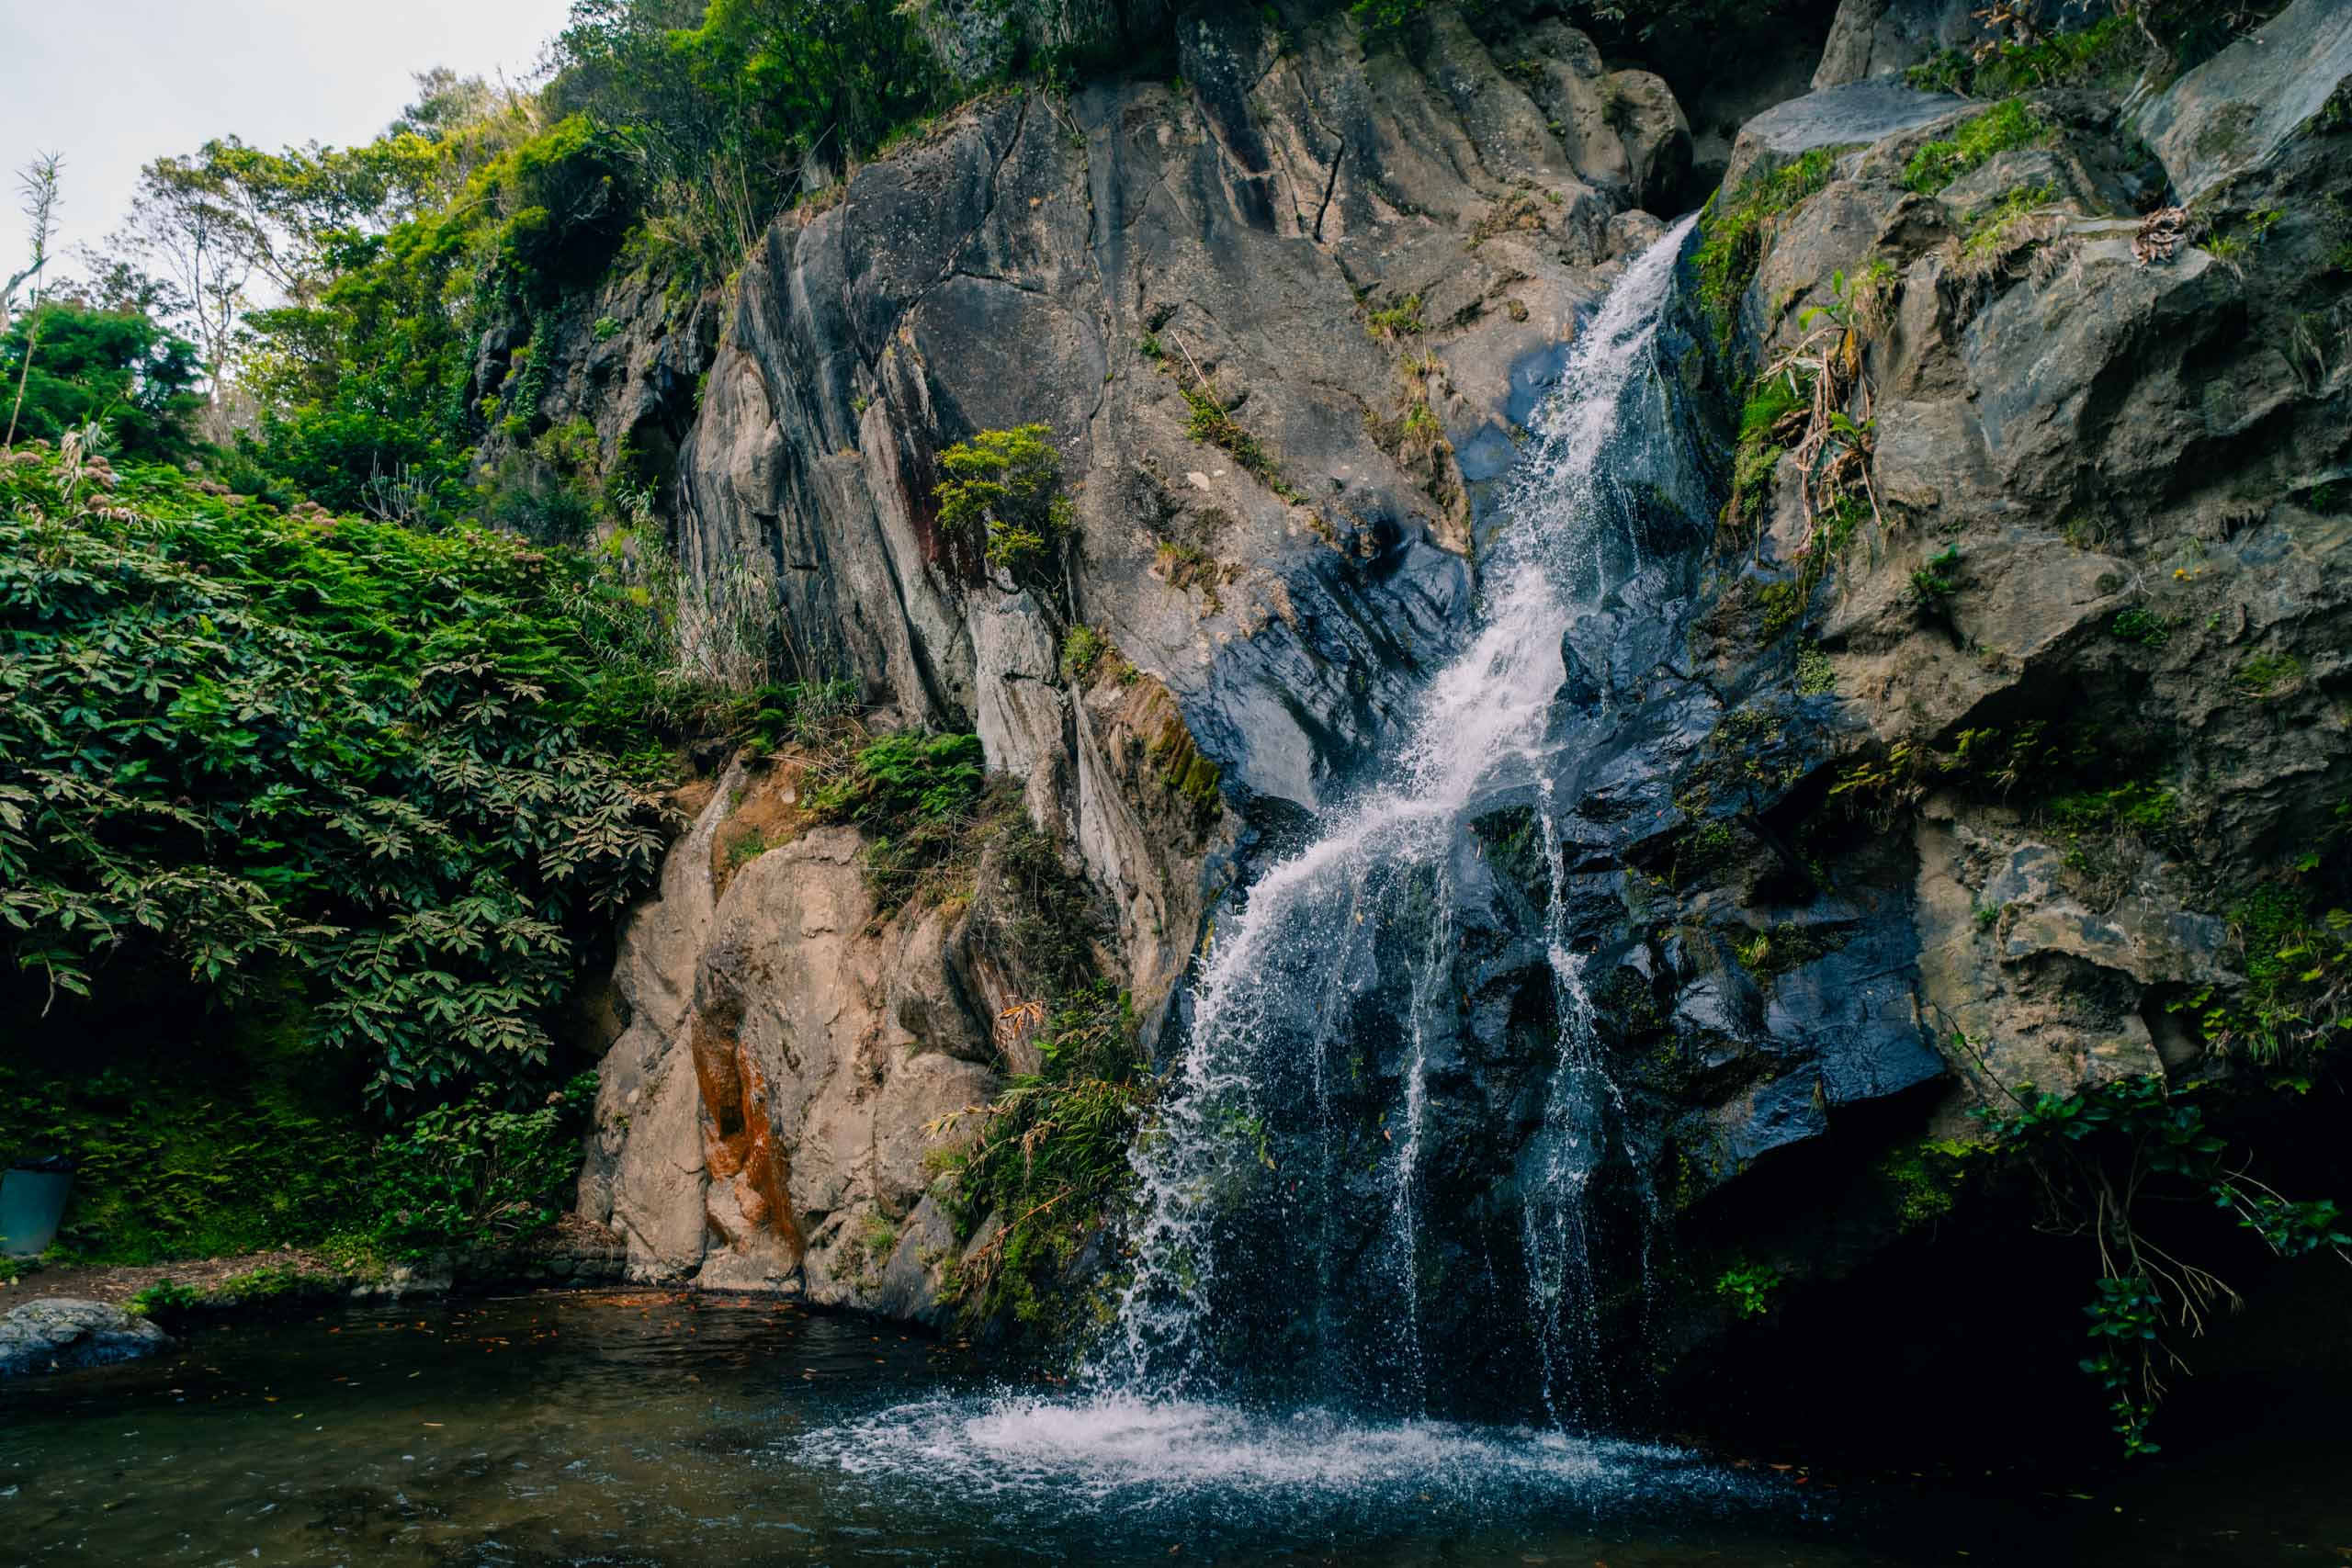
32, 1199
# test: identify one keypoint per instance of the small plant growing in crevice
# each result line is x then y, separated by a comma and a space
2146, 628
1084, 650
1937, 580
2265, 676
1401, 319
1748, 1287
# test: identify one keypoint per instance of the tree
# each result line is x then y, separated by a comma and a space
113, 368
183, 221
37, 181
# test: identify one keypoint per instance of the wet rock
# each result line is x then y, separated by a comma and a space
61, 1333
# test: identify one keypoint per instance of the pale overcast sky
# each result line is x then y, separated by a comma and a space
112, 84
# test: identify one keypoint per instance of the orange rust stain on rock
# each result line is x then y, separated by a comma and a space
742, 1147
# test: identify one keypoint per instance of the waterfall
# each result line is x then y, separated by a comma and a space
1284, 1239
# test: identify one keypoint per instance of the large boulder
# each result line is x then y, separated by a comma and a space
60, 1333
2235, 112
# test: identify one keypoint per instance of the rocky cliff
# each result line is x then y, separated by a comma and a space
2017, 658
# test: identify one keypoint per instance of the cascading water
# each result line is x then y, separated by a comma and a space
1391, 1167
1299, 1113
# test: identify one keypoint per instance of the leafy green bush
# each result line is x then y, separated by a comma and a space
1749, 1287
233, 742
2101, 1153
918, 797
1937, 578
476, 1174
1002, 497
115, 368
902, 775
165, 1298
1083, 650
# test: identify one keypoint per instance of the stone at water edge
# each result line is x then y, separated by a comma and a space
60, 1333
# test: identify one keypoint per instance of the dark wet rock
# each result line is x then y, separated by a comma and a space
2238, 109
60, 1333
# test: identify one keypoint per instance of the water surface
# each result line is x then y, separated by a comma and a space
655, 1428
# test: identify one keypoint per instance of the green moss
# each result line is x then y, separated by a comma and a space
1925, 1180
1182, 766
2144, 807
1815, 675
1998, 230
1734, 233
2268, 674
2109, 53
1975, 142
2146, 628
1779, 605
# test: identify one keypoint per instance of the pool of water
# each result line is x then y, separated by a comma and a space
657, 1428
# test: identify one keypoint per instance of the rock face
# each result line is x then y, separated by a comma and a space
61, 1333
760, 1120
1925, 779
1371, 264
2049, 696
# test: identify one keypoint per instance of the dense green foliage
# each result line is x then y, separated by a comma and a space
2109, 1154
921, 801
257, 1143
114, 368
236, 742
1001, 501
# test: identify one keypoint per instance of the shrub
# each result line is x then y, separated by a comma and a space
1748, 1287
903, 775
2146, 628
1937, 578
1082, 650
165, 1298
1401, 319
477, 1174
1003, 498
236, 743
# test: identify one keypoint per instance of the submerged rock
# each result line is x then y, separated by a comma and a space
61, 1333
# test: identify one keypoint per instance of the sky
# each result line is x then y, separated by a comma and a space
113, 83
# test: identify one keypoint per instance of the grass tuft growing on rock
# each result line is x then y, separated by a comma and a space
1975, 142
1734, 233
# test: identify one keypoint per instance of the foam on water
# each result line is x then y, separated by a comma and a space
1130, 1453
